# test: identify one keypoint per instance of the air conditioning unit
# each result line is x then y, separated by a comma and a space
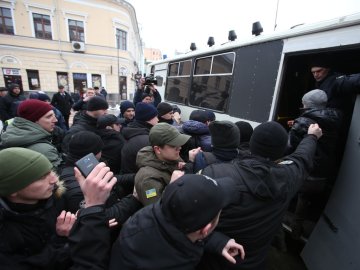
78, 46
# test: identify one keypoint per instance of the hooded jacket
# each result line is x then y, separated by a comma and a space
153, 176
266, 189
24, 133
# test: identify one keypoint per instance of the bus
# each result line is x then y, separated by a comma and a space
264, 78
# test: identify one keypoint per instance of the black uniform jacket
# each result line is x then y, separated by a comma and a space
266, 189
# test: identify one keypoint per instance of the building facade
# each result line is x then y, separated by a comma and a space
74, 43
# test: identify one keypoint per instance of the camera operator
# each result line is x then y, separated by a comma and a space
147, 87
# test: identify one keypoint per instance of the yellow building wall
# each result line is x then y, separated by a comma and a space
101, 18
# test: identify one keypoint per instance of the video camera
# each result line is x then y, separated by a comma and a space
150, 80
153, 80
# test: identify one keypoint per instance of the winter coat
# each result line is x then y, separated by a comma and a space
63, 103
153, 175
10, 104
340, 90
266, 189
148, 240
136, 135
330, 121
24, 133
85, 122
113, 144
200, 137
28, 239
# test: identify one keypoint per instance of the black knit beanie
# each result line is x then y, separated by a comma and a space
83, 143
164, 108
97, 103
246, 131
145, 112
224, 134
269, 140
126, 105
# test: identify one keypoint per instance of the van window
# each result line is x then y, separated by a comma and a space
178, 82
212, 80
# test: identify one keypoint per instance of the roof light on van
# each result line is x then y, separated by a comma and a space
232, 35
257, 28
211, 41
193, 46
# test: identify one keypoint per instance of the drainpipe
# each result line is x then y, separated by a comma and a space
58, 32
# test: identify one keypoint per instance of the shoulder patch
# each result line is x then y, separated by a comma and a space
286, 162
150, 193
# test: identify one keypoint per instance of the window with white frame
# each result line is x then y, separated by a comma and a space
121, 39
42, 26
6, 22
76, 30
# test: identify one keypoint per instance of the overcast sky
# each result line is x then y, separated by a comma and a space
171, 25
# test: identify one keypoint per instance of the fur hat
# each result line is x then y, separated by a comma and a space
199, 115
269, 140
145, 112
19, 168
224, 134
97, 103
315, 99
33, 109
164, 108
126, 104
83, 143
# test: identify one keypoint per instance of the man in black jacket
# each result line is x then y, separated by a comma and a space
11, 101
87, 120
266, 187
109, 127
137, 135
171, 234
63, 102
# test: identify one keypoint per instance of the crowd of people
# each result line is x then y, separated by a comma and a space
166, 193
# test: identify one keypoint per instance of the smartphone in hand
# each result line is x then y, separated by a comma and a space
86, 164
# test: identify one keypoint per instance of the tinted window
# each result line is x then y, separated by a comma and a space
185, 68
177, 89
173, 69
223, 63
203, 66
211, 93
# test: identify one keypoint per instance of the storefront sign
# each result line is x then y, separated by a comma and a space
11, 71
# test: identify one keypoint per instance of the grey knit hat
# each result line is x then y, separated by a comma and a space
315, 99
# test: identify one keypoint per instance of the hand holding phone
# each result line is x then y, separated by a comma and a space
87, 164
